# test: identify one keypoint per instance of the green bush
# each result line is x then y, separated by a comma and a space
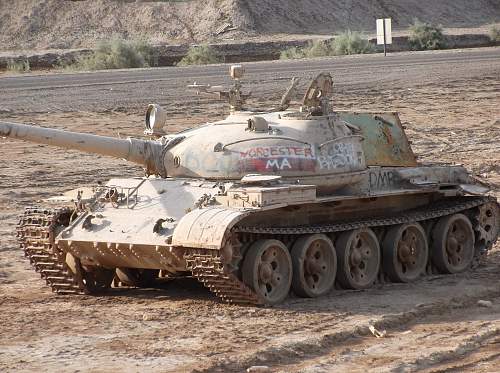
495, 34
19, 66
425, 36
348, 42
200, 55
351, 42
116, 54
318, 48
292, 53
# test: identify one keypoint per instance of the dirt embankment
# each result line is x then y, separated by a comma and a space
326, 16
59, 24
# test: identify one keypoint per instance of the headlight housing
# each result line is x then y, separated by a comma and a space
156, 118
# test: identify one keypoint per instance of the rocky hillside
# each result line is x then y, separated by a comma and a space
320, 16
45, 24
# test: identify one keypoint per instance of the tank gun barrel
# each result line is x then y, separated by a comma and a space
143, 152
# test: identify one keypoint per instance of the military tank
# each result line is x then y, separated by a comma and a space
259, 204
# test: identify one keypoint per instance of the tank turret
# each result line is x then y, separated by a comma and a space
309, 146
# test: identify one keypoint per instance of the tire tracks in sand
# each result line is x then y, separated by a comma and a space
326, 351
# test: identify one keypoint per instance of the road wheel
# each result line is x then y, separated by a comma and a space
94, 279
453, 244
267, 269
405, 252
314, 263
358, 256
138, 277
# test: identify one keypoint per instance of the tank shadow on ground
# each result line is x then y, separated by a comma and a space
182, 289
175, 290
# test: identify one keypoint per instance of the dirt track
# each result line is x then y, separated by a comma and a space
452, 112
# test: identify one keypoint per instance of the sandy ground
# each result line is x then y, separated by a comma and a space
452, 112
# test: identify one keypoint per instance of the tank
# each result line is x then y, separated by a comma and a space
260, 204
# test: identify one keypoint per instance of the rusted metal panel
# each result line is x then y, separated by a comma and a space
385, 143
206, 228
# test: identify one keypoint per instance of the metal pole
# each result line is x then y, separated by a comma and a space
385, 44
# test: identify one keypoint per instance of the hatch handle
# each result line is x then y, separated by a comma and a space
362, 138
220, 148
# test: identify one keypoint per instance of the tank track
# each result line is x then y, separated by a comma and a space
35, 233
207, 265
420, 214
207, 268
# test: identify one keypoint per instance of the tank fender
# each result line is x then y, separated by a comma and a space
475, 189
436, 174
206, 228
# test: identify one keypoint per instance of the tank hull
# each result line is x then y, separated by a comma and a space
156, 217
188, 227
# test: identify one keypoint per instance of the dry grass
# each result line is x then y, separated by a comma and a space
495, 34
200, 55
424, 36
19, 66
349, 42
116, 54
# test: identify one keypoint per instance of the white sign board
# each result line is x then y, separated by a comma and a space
380, 31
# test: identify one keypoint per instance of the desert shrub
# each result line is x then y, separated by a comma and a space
116, 54
425, 36
495, 34
144, 48
351, 42
200, 55
348, 42
292, 53
19, 66
318, 48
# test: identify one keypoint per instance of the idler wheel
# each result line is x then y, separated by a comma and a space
405, 252
358, 257
267, 269
487, 219
138, 277
95, 279
453, 244
314, 263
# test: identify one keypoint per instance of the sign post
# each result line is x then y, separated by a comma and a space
384, 33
